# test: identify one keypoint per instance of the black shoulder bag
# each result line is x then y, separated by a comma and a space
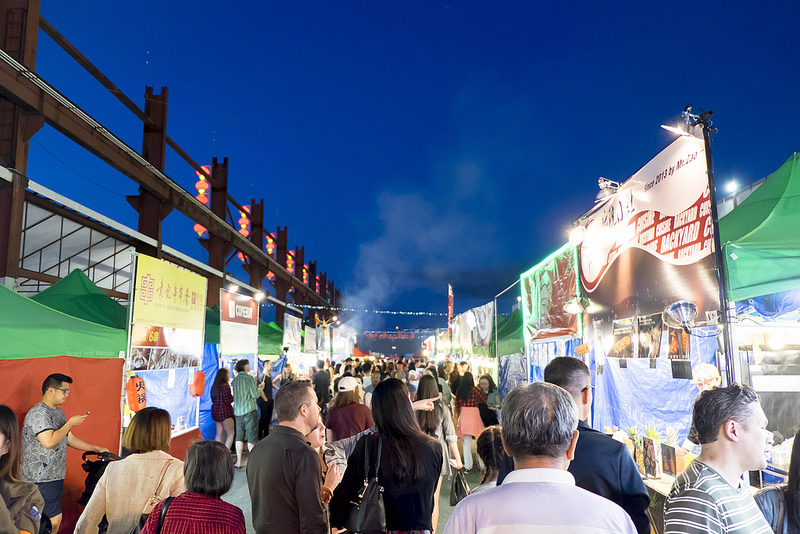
367, 514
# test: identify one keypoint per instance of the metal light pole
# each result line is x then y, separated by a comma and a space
704, 121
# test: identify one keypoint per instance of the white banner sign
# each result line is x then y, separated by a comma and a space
238, 324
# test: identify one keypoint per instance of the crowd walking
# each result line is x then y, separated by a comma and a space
358, 450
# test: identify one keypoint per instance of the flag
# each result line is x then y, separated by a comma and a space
449, 304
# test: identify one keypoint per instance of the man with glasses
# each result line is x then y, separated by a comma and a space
601, 465
712, 494
46, 432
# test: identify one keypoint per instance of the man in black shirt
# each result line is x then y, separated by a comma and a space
321, 380
283, 471
601, 465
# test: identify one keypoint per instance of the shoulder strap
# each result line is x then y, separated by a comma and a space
367, 464
163, 514
782, 509
161, 477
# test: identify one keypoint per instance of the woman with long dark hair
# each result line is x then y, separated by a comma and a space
21, 501
770, 500
409, 469
468, 397
438, 424
222, 406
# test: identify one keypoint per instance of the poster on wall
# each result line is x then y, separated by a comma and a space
651, 243
238, 324
546, 288
622, 335
649, 334
678, 344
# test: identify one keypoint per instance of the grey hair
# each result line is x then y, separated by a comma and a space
539, 420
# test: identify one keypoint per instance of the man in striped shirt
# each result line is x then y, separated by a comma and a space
245, 409
710, 495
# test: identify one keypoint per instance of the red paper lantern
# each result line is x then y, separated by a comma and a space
136, 393
202, 198
199, 229
201, 186
198, 385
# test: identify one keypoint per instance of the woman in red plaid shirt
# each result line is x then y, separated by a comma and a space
208, 472
468, 397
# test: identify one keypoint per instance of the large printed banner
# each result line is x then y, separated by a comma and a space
168, 296
311, 339
546, 288
238, 324
292, 326
650, 244
168, 316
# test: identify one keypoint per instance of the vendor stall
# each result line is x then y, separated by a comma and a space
39, 341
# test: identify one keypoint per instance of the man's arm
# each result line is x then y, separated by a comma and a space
307, 486
78, 443
635, 497
51, 438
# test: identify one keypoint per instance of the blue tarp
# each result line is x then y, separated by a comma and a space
637, 395
210, 368
772, 306
174, 397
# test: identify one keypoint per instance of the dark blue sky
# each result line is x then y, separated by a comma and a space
409, 145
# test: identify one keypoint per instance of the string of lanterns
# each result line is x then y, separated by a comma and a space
202, 187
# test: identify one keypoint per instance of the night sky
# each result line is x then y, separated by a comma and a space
408, 145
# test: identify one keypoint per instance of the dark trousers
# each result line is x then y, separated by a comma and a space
265, 416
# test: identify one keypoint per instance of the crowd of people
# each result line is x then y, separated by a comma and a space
397, 423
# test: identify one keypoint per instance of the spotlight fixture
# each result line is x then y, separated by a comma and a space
576, 235
680, 314
607, 188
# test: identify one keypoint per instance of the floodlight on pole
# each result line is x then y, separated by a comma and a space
702, 121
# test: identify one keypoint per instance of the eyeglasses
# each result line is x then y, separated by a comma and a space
63, 390
587, 387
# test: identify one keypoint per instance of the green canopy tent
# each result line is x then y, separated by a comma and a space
38, 341
32, 330
761, 237
77, 296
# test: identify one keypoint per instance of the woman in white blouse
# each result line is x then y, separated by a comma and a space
128, 485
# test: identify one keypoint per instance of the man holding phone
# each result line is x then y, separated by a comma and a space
46, 433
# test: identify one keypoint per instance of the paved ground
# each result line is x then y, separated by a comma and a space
240, 496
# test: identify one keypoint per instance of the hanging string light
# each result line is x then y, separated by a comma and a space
378, 312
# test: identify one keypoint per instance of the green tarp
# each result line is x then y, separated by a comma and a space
32, 330
270, 338
761, 237
76, 295
509, 334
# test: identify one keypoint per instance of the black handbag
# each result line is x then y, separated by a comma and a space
458, 487
367, 514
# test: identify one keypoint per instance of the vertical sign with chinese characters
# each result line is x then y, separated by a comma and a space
168, 316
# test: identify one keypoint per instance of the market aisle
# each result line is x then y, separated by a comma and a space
239, 495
